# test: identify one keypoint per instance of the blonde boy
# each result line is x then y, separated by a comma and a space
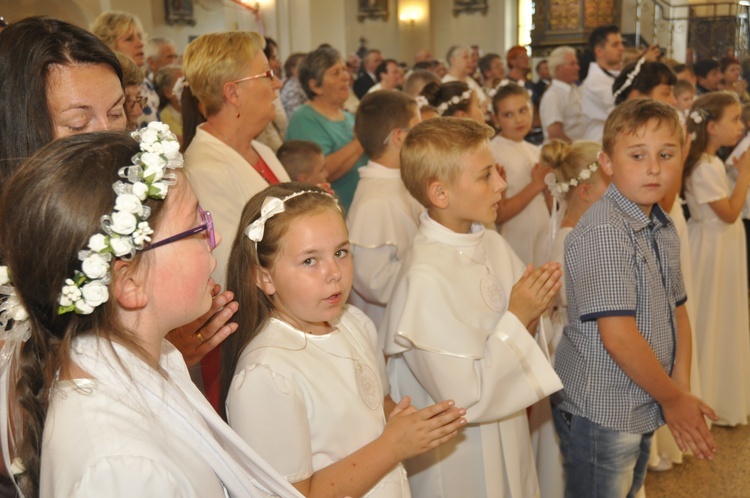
459, 319
625, 356
383, 217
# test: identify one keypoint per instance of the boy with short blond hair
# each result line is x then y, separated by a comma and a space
624, 358
383, 216
462, 318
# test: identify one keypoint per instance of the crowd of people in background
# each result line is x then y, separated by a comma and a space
369, 277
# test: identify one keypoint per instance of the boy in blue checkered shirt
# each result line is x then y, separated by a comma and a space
625, 356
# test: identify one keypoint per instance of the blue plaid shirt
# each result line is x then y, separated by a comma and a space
618, 262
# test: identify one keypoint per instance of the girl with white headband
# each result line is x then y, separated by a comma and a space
303, 380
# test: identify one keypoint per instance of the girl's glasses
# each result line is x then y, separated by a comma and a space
207, 226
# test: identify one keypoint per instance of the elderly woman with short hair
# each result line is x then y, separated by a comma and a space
325, 79
122, 32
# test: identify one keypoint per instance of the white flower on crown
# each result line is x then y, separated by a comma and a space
143, 233
121, 246
94, 293
696, 117
585, 174
129, 203
95, 266
70, 293
158, 190
125, 230
98, 242
124, 223
4, 275
140, 190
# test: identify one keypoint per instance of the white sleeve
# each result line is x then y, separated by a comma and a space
497, 373
513, 374
550, 109
269, 413
708, 182
375, 272
129, 476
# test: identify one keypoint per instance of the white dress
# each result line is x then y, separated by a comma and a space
663, 444
306, 401
528, 231
382, 221
544, 438
722, 327
133, 432
451, 338
224, 181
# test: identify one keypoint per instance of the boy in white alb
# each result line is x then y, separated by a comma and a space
459, 319
383, 217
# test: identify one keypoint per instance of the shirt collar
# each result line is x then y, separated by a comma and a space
635, 215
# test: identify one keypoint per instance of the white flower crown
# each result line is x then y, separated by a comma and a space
271, 207
11, 310
455, 100
561, 188
125, 230
630, 78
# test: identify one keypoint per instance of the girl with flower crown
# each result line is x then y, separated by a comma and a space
576, 183
454, 98
717, 244
523, 215
105, 260
310, 360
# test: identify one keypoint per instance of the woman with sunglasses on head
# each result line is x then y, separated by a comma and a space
230, 84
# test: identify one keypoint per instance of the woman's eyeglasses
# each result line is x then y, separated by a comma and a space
141, 101
207, 226
265, 74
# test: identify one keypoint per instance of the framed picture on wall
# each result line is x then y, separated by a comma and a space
179, 12
372, 9
469, 6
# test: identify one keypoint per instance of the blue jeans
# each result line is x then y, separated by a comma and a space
600, 462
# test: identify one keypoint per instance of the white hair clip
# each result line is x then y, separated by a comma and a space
421, 102
698, 115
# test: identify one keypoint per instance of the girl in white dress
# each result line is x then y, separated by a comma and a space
717, 243
303, 380
103, 260
523, 215
576, 183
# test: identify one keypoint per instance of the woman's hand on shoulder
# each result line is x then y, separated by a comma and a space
197, 338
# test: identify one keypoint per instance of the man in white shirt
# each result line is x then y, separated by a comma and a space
596, 91
560, 108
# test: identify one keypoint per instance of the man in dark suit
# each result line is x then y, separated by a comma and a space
367, 76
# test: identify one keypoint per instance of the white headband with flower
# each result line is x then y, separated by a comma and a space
630, 78
271, 207
125, 230
455, 100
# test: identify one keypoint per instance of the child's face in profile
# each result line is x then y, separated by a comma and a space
684, 101
513, 117
475, 195
312, 272
645, 164
663, 93
727, 130
318, 172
